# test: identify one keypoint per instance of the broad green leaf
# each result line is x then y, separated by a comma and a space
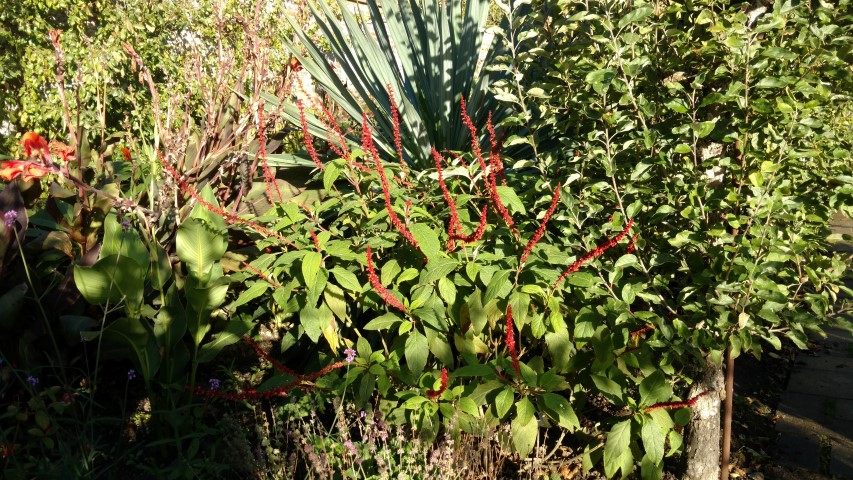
636, 15
311, 266
427, 239
439, 268
654, 388
617, 451
654, 439
498, 284
510, 199
504, 401
199, 246
122, 241
416, 352
254, 291
383, 322
347, 279
560, 410
309, 318
524, 429
143, 351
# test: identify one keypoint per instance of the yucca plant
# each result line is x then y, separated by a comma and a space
424, 52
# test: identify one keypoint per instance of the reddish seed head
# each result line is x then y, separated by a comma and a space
510, 342
377, 285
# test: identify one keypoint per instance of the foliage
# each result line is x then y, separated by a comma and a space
680, 165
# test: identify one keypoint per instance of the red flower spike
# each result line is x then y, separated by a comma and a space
368, 146
262, 275
673, 405
475, 145
434, 394
600, 249
646, 329
510, 342
309, 143
315, 240
631, 244
541, 230
126, 154
395, 120
494, 153
269, 178
275, 363
34, 145
341, 149
478, 233
500, 208
377, 286
454, 214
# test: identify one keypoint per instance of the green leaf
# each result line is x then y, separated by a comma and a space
124, 242
524, 428
233, 332
498, 283
617, 451
582, 279
330, 175
654, 388
510, 199
383, 322
143, 351
560, 410
504, 401
310, 267
439, 268
654, 439
113, 279
600, 79
607, 386
427, 239
416, 352
254, 291
347, 279
636, 15
310, 320
199, 246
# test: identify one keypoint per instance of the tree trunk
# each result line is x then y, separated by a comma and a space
702, 458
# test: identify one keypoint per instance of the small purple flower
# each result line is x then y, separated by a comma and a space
351, 448
214, 383
125, 225
362, 414
10, 218
32, 380
131, 374
350, 355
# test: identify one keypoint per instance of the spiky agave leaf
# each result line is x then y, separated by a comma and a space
426, 51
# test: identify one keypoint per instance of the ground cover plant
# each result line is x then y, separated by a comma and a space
559, 286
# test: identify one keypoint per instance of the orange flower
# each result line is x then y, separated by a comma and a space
65, 152
33, 143
28, 169
126, 153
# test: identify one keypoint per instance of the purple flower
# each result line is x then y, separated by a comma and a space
214, 383
10, 218
131, 374
32, 380
351, 448
362, 414
125, 225
350, 355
